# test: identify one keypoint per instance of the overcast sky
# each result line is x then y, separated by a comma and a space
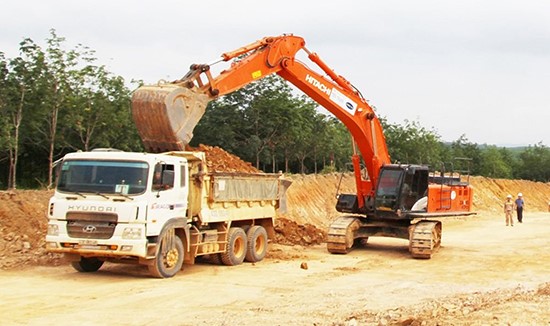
474, 67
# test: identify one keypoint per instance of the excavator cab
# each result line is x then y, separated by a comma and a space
399, 188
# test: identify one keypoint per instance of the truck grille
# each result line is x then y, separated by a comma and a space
91, 225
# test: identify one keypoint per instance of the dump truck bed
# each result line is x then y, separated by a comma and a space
222, 196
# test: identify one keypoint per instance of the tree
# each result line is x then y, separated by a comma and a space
463, 148
19, 84
99, 114
493, 163
535, 162
338, 147
54, 100
267, 116
412, 143
257, 122
5, 129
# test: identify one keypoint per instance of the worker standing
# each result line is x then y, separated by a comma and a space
508, 210
519, 204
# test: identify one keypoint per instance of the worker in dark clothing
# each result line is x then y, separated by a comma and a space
520, 203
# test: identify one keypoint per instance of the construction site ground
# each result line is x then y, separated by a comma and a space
485, 273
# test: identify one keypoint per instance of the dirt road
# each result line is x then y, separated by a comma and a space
485, 273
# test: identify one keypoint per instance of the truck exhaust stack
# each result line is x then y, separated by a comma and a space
154, 107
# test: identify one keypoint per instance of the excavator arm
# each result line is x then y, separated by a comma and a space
165, 114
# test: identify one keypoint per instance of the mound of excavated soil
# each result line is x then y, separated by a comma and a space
23, 226
218, 160
291, 233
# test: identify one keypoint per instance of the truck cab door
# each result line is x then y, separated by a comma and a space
169, 199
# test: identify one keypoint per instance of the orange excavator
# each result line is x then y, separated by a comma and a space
391, 200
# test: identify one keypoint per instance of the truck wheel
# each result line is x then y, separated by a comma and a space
169, 257
236, 247
86, 265
257, 244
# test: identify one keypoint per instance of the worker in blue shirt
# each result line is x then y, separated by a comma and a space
519, 203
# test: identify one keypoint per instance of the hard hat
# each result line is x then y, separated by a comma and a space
520, 194
509, 196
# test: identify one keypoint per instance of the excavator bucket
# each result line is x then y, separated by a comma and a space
166, 114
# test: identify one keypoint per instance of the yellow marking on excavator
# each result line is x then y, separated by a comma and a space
257, 74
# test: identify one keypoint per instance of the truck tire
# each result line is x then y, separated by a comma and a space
87, 265
169, 258
257, 244
216, 259
236, 247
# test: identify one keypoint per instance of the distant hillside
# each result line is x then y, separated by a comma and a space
312, 197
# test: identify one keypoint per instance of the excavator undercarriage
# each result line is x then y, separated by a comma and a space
346, 231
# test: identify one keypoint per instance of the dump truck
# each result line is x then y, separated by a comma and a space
392, 199
161, 210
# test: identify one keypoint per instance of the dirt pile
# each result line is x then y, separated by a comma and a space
218, 160
23, 226
291, 233
490, 194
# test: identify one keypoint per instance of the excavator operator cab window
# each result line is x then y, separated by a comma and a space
399, 188
388, 190
415, 185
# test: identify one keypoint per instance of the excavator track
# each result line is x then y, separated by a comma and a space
341, 234
425, 239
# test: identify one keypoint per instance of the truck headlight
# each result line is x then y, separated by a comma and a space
131, 233
53, 229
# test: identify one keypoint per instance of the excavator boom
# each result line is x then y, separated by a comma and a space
165, 114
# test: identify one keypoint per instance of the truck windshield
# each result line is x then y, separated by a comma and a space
102, 176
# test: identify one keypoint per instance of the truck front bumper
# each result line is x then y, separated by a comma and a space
96, 248
120, 244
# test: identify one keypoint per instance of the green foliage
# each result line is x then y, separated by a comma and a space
495, 163
412, 143
54, 100
535, 163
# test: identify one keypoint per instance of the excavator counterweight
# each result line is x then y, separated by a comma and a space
156, 107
